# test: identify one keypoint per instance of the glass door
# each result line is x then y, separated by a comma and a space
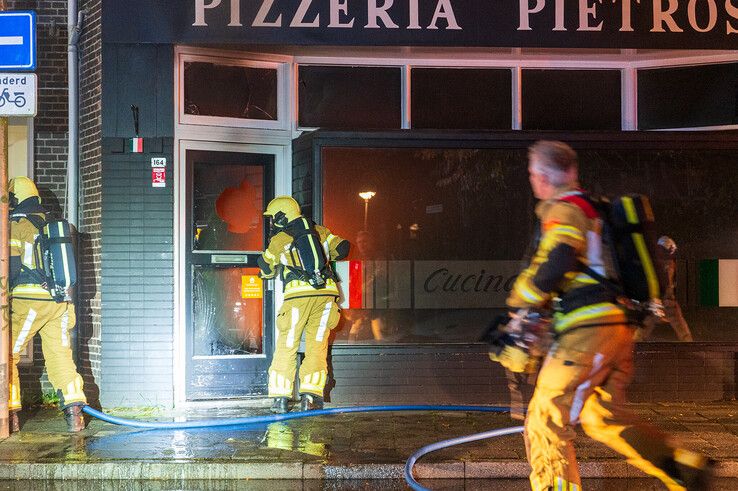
230, 310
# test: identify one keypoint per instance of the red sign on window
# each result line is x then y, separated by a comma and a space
158, 177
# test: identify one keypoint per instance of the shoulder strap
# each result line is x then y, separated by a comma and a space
582, 201
35, 219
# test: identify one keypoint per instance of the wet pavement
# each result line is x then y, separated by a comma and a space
345, 485
350, 451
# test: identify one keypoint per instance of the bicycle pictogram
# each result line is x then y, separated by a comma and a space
19, 100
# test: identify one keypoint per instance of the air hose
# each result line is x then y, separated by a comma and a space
450, 443
272, 418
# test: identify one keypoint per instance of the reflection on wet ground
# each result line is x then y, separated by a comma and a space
337, 485
339, 444
342, 439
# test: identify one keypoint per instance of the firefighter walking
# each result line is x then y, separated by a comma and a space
299, 254
584, 376
33, 310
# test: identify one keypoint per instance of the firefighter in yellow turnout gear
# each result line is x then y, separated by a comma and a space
33, 310
585, 374
310, 301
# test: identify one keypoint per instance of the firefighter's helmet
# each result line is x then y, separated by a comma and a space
282, 210
20, 189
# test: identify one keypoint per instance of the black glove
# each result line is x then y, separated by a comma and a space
495, 330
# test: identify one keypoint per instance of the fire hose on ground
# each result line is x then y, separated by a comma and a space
222, 422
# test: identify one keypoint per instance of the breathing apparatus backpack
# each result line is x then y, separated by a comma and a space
54, 257
307, 251
630, 237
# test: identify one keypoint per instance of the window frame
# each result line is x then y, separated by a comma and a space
248, 61
403, 95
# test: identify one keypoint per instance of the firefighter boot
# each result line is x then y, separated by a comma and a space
698, 478
75, 420
310, 402
279, 406
14, 422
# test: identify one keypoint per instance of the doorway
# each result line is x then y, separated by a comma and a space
229, 311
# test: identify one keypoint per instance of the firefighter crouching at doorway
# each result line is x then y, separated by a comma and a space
310, 301
585, 373
33, 310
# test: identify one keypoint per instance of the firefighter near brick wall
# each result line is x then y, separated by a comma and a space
34, 310
584, 375
299, 253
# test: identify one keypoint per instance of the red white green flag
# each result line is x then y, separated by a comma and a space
136, 145
719, 282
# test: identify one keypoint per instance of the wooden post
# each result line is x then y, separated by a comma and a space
4, 280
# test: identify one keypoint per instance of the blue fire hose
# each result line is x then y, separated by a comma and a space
272, 418
222, 422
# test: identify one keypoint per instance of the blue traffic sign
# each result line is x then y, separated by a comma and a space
17, 40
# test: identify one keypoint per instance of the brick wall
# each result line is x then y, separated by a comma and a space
664, 372
90, 157
50, 165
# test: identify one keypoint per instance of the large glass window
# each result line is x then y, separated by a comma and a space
437, 247
688, 97
447, 98
571, 99
341, 97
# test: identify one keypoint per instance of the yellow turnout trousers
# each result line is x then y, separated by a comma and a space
52, 321
583, 379
315, 316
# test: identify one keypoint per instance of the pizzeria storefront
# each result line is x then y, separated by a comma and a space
403, 126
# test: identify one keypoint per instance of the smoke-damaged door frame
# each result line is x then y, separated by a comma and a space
221, 376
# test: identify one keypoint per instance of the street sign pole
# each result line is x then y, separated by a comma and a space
17, 52
4, 300
4, 253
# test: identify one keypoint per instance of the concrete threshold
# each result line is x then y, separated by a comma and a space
192, 470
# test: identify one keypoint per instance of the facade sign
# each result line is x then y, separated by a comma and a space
18, 94
425, 284
158, 177
675, 24
17, 40
463, 284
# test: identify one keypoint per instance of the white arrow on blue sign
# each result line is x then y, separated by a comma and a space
17, 40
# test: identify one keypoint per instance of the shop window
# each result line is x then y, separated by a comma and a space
20, 138
571, 100
688, 97
20, 163
436, 249
446, 98
247, 91
349, 97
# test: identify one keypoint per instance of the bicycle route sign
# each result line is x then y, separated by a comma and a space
18, 94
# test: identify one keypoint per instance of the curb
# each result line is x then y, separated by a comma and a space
187, 469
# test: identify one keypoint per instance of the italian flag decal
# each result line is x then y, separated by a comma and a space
136, 145
351, 274
719, 282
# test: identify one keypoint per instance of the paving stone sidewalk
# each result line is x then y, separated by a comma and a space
346, 447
